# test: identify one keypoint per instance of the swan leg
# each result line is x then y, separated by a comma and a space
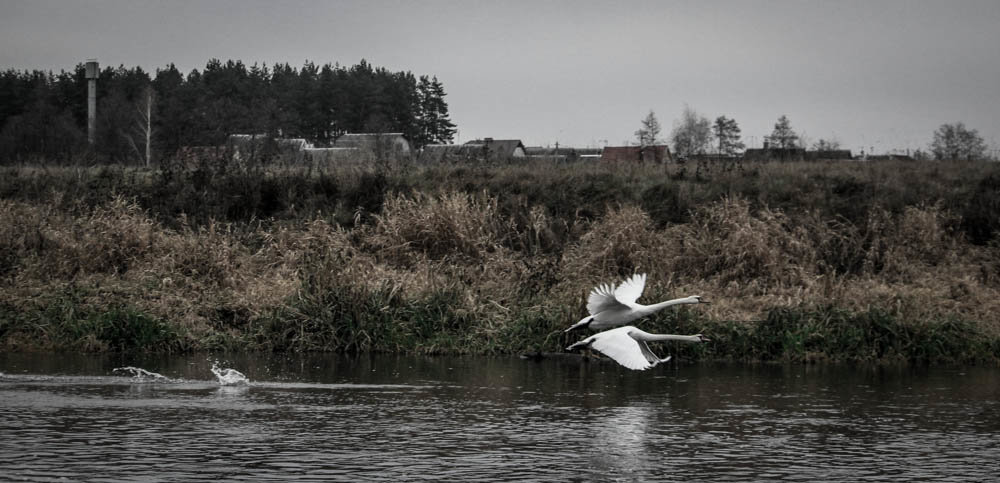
582, 323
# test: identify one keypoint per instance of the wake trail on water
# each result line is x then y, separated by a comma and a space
141, 375
223, 375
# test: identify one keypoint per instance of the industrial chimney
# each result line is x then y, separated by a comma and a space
91, 99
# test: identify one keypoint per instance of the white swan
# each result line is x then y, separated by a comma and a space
627, 346
611, 306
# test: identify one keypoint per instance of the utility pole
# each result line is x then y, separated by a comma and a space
92, 73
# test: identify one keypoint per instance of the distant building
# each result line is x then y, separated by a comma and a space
659, 153
437, 153
890, 157
774, 154
795, 154
497, 149
829, 154
261, 147
487, 149
713, 158
354, 147
562, 153
378, 145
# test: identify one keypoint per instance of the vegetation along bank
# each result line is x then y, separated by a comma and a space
842, 261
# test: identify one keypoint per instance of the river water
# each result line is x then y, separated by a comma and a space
378, 418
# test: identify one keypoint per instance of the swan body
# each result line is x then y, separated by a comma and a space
628, 346
611, 306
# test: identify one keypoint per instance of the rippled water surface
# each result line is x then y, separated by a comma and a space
469, 419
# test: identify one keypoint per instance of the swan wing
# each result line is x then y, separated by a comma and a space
630, 290
609, 297
602, 298
620, 346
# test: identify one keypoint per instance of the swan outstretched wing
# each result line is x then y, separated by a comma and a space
601, 298
606, 297
630, 290
620, 346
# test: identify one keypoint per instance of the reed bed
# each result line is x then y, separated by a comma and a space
802, 261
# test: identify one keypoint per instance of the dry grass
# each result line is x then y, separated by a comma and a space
446, 225
452, 271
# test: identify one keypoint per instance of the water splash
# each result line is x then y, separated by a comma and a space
229, 377
141, 375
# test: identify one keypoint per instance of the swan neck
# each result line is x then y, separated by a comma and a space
682, 338
668, 303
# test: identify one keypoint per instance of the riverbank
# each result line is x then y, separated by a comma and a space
802, 261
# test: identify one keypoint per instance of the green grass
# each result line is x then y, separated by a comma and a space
830, 334
347, 320
64, 323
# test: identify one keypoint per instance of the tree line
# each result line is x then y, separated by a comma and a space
695, 135
44, 115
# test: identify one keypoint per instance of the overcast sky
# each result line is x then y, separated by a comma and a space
882, 74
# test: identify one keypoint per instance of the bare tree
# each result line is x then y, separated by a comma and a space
143, 126
826, 145
692, 134
649, 133
954, 141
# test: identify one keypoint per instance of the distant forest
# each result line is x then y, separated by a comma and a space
43, 116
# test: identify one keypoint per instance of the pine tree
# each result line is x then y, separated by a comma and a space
649, 133
783, 136
43, 114
434, 124
727, 132
170, 116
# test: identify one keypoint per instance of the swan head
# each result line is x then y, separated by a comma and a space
702, 338
697, 299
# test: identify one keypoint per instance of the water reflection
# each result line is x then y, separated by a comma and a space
377, 418
231, 392
620, 439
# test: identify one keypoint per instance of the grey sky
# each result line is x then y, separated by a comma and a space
882, 74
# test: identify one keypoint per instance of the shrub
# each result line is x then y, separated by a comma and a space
124, 329
440, 226
725, 240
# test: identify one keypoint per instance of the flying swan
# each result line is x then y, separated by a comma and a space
627, 346
611, 306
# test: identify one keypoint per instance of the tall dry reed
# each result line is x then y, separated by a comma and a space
493, 259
